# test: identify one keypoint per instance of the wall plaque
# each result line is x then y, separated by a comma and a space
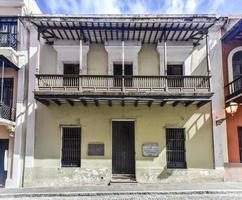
151, 150
96, 149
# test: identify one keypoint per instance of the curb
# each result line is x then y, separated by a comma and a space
118, 193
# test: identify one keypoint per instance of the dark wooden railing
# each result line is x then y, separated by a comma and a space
234, 86
105, 83
7, 112
8, 40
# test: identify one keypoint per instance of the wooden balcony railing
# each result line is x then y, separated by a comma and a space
103, 83
234, 87
8, 40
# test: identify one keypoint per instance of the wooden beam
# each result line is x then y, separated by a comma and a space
110, 103
64, 29
88, 33
188, 103
100, 33
123, 103
111, 31
163, 103
136, 103
150, 103
70, 102
134, 31
84, 102
145, 33
72, 35
57, 102
201, 103
106, 35
153, 25
175, 103
58, 31
156, 34
96, 102
43, 101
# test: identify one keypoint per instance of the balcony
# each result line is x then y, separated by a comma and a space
233, 91
69, 88
8, 40
7, 112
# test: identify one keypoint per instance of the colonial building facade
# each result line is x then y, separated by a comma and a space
232, 66
124, 98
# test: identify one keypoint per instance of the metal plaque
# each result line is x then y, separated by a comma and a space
96, 149
151, 150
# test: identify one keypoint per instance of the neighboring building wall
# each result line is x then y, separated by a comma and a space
150, 125
12, 73
232, 122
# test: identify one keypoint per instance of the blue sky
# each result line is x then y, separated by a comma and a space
140, 6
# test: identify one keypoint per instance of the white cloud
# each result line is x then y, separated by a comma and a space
132, 6
191, 6
215, 4
181, 6
84, 6
137, 7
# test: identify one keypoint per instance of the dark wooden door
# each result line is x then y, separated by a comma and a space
123, 148
6, 108
3, 148
71, 72
128, 71
240, 142
174, 73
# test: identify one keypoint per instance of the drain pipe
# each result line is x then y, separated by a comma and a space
2, 81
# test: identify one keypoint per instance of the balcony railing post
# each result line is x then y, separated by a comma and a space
123, 86
80, 83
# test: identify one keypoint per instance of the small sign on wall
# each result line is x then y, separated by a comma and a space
96, 149
151, 150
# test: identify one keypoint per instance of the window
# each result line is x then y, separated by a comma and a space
175, 148
175, 70
240, 142
71, 147
237, 69
128, 71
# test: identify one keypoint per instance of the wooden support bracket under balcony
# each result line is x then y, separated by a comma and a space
163, 103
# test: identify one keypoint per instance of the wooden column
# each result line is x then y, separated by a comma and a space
208, 60
80, 67
123, 66
165, 64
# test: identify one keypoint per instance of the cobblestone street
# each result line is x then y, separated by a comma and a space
184, 191
141, 197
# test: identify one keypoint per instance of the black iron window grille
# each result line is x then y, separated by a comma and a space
175, 148
71, 147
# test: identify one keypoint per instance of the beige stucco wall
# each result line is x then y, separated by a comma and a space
48, 59
149, 60
150, 124
97, 60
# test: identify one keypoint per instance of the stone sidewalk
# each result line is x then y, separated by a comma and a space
131, 191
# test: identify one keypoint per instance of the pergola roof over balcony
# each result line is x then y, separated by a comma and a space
145, 28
